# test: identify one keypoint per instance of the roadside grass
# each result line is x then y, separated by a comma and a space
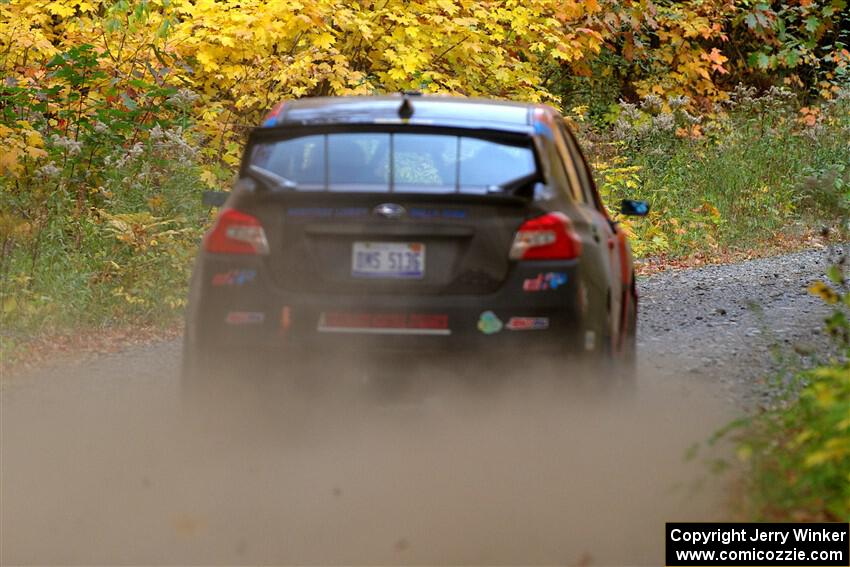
799, 452
123, 261
760, 166
794, 456
100, 210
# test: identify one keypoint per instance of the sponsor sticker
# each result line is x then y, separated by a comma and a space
245, 317
384, 323
528, 323
434, 213
545, 281
234, 278
589, 340
327, 212
489, 323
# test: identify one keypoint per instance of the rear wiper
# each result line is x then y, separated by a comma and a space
271, 179
514, 185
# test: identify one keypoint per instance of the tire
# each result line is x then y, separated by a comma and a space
612, 368
628, 351
625, 359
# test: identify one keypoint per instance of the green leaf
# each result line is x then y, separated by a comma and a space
113, 25
812, 24
834, 273
780, 29
792, 58
58, 59
760, 60
163, 28
128, 102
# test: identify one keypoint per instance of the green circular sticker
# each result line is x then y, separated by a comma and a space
489, 323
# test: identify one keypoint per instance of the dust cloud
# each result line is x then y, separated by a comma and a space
102, 464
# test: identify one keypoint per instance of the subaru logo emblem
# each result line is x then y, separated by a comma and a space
389, 211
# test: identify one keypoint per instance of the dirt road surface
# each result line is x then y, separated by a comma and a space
101, 464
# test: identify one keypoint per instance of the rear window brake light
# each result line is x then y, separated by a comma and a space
236, 232
548, 237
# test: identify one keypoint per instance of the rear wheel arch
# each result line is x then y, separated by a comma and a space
628, 320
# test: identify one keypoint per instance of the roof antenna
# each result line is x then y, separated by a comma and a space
405, 111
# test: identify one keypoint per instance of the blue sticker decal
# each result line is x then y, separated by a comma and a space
434, 213
556, 279
234, 278
545, 282
420, 213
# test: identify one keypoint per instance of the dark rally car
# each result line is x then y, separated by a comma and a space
411, 224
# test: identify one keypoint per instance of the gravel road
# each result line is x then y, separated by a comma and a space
100, 465
738, 325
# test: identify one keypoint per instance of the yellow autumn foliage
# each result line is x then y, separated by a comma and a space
242, 56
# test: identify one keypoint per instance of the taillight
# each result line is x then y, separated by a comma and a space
550, 237
236, 232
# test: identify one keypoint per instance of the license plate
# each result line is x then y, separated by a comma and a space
399, 260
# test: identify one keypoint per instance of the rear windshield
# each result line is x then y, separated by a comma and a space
384, 162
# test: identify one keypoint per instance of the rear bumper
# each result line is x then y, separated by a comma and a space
541, 307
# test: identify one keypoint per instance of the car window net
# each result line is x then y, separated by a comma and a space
403, 163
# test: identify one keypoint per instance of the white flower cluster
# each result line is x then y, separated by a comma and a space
127, 157
172, 142
183, 98
652, 103
161, 144
664, 121
742, 95
780, 93
73, 147
651, 116
49, 170
690, 118
629, 111
677, 102
748, 98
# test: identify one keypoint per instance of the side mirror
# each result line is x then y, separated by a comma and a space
634, 208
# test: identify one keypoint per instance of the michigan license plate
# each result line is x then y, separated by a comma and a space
399, 260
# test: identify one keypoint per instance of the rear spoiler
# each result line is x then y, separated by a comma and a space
214, 198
